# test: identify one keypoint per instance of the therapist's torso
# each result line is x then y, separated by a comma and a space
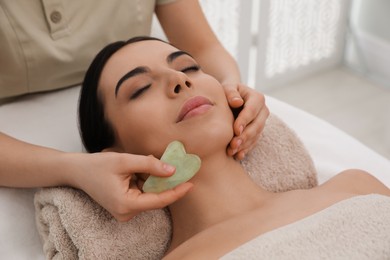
48, 44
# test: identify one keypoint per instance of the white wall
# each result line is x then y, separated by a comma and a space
374, 17
368, 47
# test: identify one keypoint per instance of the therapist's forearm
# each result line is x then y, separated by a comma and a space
186, 27
26, 165
216, 61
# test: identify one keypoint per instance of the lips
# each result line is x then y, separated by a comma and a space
193, 106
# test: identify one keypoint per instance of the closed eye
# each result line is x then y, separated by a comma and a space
140, 91
191, 68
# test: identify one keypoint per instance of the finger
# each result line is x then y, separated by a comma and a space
248, 138
148, 201
234, 146
252, 108
233, 95
251, 134
149, 165
241, 155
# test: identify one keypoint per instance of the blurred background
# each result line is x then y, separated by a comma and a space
330, 58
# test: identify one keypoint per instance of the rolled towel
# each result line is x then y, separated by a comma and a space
73, 226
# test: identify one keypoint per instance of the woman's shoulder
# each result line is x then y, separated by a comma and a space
357, 182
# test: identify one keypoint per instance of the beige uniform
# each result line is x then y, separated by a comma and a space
48, 44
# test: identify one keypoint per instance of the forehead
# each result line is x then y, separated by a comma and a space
141, 52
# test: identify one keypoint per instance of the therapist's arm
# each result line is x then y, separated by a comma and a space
187, 28
106, 177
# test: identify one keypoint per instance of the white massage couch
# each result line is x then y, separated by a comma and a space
50, 120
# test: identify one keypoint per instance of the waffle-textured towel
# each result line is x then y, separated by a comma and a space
72, 226
356, 228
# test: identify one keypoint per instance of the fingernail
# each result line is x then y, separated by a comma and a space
239, 142
168, 168
241, 129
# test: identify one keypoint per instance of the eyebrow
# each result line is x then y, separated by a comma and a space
131, 73
142, 69
174, 55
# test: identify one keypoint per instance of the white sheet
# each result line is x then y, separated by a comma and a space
332, 149
50, 120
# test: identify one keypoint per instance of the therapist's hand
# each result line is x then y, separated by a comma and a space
251, 118
109, 179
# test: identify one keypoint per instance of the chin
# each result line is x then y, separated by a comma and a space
208, 140
207, 134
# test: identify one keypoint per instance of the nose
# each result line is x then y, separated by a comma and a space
178, 83
179, 87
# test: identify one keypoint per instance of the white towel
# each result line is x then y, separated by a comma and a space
356, 228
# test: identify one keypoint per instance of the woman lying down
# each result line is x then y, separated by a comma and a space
142, 89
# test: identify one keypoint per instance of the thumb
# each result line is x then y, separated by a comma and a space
153, 166
233, 95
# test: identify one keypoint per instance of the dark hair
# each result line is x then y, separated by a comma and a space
95, 131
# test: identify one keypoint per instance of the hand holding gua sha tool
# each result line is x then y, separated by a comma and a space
187, 165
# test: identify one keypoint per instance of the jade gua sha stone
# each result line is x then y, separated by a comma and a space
187, 165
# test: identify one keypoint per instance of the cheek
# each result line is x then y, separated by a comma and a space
223, 124
135, 134
145, 132
221, 128
214, 89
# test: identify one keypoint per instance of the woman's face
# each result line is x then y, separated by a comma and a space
153, 94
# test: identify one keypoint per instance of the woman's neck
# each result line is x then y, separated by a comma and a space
222, 189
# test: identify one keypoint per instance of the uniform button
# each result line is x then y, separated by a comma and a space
55, 17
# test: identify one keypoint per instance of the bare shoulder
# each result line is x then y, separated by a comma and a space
357, 182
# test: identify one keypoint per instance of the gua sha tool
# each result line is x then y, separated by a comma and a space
187, 165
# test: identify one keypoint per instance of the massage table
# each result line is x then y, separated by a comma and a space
50, 119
